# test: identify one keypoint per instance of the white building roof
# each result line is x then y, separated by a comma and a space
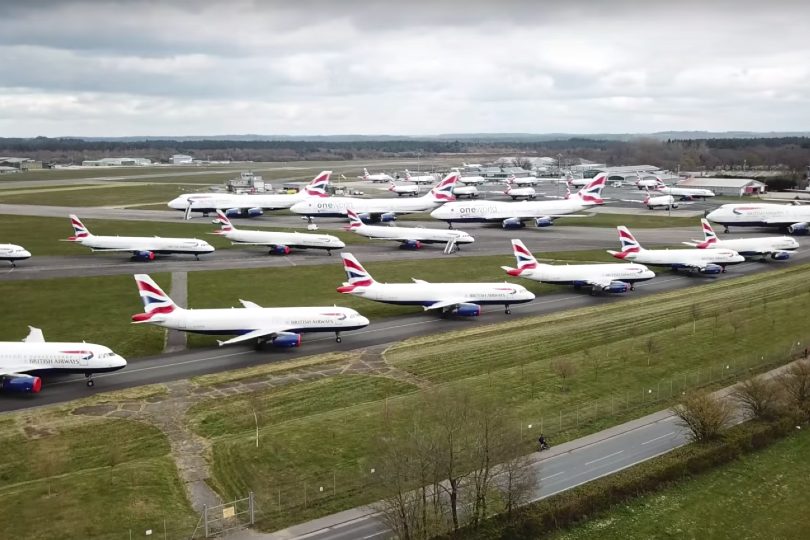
721, 182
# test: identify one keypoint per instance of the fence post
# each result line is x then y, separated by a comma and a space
205, 519
560, 419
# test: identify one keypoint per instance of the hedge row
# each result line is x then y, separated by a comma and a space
588, 500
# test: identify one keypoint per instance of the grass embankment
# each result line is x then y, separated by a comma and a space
759, 496
631, 357
71, 477
94, 309
119, 194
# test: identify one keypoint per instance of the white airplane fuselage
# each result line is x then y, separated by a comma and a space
210, 202
426, 294
689, 193
472, 180
415, 234
795, 218
290, 239
752, 247
404, 189
521, 193
574, 274
685, 258
662, 201
465, 191
152, 244
13, 252
482, 211
55, 356
337, 206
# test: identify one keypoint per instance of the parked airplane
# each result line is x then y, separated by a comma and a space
409, 237
663, 201
420, 179
513, 214
775, 247
471, 192
685, 194
793, 218
646, 183
611, 278
22, 361
142, 248
517, 192
705, 261
521, 181
472, 180
245, 205
374, 210
402, 189
280, 243
576, 182
471, 165
377, 177
13, 253
464, 299
281, 327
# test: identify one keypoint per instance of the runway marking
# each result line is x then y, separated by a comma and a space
604, 457
658, 438
552, 476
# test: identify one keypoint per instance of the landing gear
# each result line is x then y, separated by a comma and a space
196, 256
329, 252
13, 264
338, 339
725, 230
632, 287
723, 271
89, 382
506, 309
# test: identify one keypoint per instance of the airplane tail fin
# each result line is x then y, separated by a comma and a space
79, 230
225, 224
628, 242
317, 188
407, 174
392, 186
443, 191
525, 259
155, 301
354, 220
358, 276
592, 192
709, 236
365, 173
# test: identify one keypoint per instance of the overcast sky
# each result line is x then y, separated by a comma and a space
410, 67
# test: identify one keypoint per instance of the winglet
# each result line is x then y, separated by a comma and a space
34, 335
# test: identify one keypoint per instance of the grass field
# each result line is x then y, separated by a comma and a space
72, 477
120, 194
761, 496
622, 353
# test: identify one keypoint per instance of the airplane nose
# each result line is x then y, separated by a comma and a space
364, 321
25, 253
119, 361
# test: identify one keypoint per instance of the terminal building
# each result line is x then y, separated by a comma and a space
20, 163
735, 187
117, 162
181, 159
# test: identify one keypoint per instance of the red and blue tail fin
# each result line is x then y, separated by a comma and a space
709, 236
317, 188
443, 192
354, 220
79, 230
155, 301
592, 192
225, 224
628, 242
358, 276
525, 259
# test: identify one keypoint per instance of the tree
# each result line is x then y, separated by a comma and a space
796, 383
703, 414
564, 369
651, 347
759, 397
517, 482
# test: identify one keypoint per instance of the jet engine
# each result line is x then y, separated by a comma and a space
287, 340
512, 223
144, 256
467, 310
411, 244
780, 255
617, 287
21, 383
544, 221
711, 269
388, 217
233, 212
798, 228
254, 212
280, 250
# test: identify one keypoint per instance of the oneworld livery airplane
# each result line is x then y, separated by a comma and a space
378, 210
610, 278
280, 243
142, 248
463, 299
281, 327
21, 362
704, 261
777, 248
245, 205
513, 214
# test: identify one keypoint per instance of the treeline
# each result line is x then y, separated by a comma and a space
789, 154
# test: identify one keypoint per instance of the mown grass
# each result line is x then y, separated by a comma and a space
512, 362
760, 496
88, 478
94, 309
120, 194
102, 172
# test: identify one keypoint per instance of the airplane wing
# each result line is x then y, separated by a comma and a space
600, 282
249, 304
445, 303
34, 335
255, 334
18, 371
415, 280
126, 250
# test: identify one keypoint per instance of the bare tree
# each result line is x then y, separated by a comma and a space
703, 414
796, 383
517, 482
759, 397
564, 369
522, 162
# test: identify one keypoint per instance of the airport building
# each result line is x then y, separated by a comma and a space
181, 159
117, 162
502, 173
735, 187
20, 163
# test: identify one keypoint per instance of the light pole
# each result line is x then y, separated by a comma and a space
256, 420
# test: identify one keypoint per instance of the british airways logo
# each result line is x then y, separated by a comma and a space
86, 355
340, 316
742, 209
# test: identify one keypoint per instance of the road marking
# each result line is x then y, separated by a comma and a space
658, 438
552, 476
604, 457
376, 534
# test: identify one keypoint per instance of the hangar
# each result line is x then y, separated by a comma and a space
736, 187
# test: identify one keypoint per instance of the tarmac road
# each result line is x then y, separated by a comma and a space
157, 369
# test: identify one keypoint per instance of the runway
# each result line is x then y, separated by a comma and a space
162, 368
